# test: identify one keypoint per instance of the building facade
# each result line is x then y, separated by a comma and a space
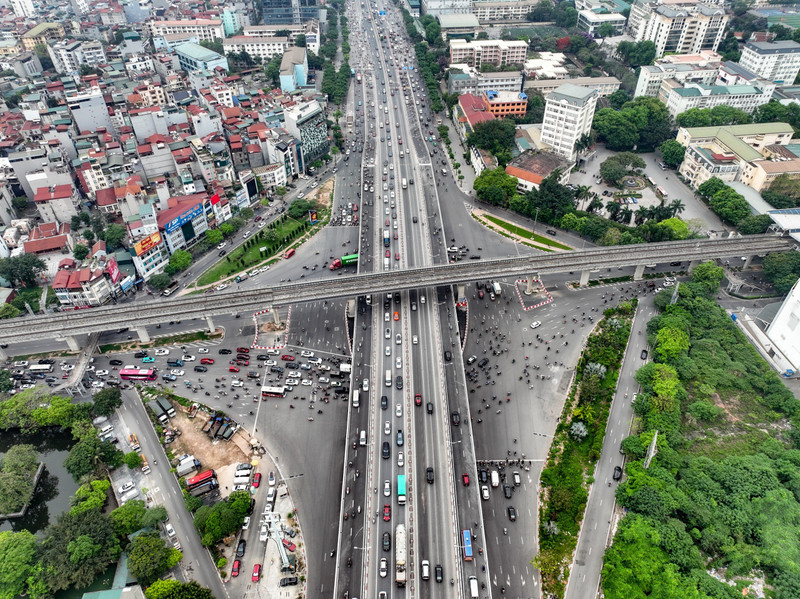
491, 11
568, 116
590, 22
604, 86
463, 79
778, 62
194, 57
266, 48
496, 52
289, 12
691, 68
682, 27
306, 122
446, 7
204, 29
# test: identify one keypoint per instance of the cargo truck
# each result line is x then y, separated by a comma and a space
206, 487
345, 367
400, 555
215, 427
188, 467
207, 425
223, 429
166, 406
193, 410
145, 465
241, 480
159, 412
133, 441
229, 433
344, 261
496, 288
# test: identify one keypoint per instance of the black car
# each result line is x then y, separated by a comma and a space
644, 354
262, 357
46, 361
512, 513
507, 491
448, 356
439, 573
240, 549
617, 473
200, 369
292, 365
386, 451
396, 297
551, 231
169, 377
222, 253
289, 581
399, 382
429, 408
483, 362
384, 402
276, 369
140, 354
387, 541
225, 352
429, 475
399, 437
455, 418
115, 362
483, 474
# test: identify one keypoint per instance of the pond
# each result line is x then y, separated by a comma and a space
56, 485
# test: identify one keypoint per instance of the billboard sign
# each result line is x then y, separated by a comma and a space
113, 270
126, 283
147, 243
184, 218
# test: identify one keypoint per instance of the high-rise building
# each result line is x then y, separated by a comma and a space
777, 61
288, 12
306, 122
568, 116
678, 26
691, 68
23, 8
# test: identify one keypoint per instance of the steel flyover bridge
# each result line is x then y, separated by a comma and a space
141, 314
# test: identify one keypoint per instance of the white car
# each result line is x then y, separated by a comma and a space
102, 373
241, 487
400, 459
536, 324
246, 524
415, 340
388, 350
292, 382
306, 383
306, 354
484, 492
386, 317
387, 488
126, 487
188, 358
398, 410
221, 287
387, 428
222, 245
177, 372
398, 363
90, 369
324, 367
98, 384
398, 339
162, 352
324, 380
384, 567
271, 363
365, 385
68, 367
202, 350
237, 384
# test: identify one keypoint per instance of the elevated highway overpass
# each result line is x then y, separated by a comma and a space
64, 325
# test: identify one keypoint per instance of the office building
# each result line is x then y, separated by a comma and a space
194, 57
680, 97
310, 29
446, 7
89, 111
289, 12
590, 22
306, 122
265, 48
463, 79
503, 104
204, 29
497, 52
777, 61
294, 69
784, 334
685, 68
568, 116
69, 55
604, 86
491, 11
41, 34
24, 9
679, 26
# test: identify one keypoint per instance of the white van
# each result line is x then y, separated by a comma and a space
106, 429
426, 569
388, 380
495, 479
362, 439
169, 529
473, 587
356, 399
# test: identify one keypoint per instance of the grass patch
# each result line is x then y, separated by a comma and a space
525, 233
160, 341
509, 236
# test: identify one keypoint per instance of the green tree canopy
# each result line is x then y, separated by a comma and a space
148, 557
495, 186
113, 235
80, 252
495, 136
175, 589
708, 275
18, 551
160, 281
91, 496
106, 401
672, 152
24, 269
127, 518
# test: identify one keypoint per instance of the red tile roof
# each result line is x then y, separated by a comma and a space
59, 192
106, 197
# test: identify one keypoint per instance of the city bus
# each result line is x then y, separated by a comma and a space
201, 478
401, 489
467, 538
135, 374
40, 368
661, 193
273, 392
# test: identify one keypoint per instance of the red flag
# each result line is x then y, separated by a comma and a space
215, 199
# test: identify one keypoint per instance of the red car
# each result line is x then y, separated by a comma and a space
233, 369
287, 358
387, 512
387, 222
397, 315
256, 480
395, 235
235, 569
418, 399
243, 362
465, 479
256, 572
256, 219
355, 207
242, 350
397, 255
388, 253
207, 361
289, 545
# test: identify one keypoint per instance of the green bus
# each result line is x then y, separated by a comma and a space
401, 489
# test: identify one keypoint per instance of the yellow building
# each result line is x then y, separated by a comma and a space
41, 34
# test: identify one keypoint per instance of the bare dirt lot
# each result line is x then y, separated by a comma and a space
212, 454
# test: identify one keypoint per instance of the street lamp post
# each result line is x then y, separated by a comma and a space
535, 218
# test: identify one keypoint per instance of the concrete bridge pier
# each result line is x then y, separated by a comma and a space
274, 312
210, 323
747, 262
693, 264
3, 354
144, 336
72, 343
585, 278
351, 307
531, 279
639, 272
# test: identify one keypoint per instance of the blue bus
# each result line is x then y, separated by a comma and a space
467, 538
401, 489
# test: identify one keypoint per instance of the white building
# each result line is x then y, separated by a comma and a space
590, 21
783, 331
777, 61
678, 27
680, 97
204, 29
568, 115
446, 7
496, 52
69, 55
264, 47
691, 68
23, 8
470, 81
491, 11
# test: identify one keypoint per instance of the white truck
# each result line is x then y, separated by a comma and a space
496, 288
400, 555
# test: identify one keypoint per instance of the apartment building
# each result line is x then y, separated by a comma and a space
306, 122
496, 52
685, 68
294, 69
568, 115
23, 9
590, 21
678, 26
265, 48
69, 55
778, 62
310, 29
194, 57
604, 86
503, 104
492, 11
41, 34
82, 287
680, 97
446, 7
204, 29
289, 12
57, 203
463, 79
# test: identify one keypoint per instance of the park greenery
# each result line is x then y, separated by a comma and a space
577, 444
643, 124
720, 496
782, 269
17, 476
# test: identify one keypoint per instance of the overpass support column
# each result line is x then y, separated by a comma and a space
144, 336
351, 307
692, 264
210, 323
531, 279
3, 354
72, 343
584, 278
637, 274
275, 315
747, 261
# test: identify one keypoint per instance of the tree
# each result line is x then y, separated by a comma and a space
215, 45
672, 152
148, 557
106, 401
175, 589
786, 186
91, 496
613, 169
708, 275
133, 460
9, 311
113, 236
755, 224
17, 558
433, 33
618, 99
88, 235
614, 129
672, 342
678, 228
80, 252
159, 281
88, 455
21, 269
636, 54
709, 188
127, 518
300, 41
20, 204
6, 382
247, 213
606, 30
180, 260
154, 516
214, 236
494, 136
495, 186
731, 206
